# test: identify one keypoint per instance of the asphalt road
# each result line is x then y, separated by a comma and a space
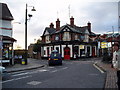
72, 74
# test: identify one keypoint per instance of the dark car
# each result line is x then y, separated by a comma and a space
55, 58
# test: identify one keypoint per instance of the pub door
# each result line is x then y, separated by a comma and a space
67, 53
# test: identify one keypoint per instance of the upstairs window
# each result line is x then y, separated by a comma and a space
66, 36
47, 39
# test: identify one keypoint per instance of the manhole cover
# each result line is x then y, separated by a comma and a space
34, 83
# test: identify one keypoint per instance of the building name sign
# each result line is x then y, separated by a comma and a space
104, 45
82, 47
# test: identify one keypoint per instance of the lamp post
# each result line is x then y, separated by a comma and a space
26, 13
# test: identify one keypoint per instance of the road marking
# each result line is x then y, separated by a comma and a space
16, 79
43, 70
98, 68
34, 83
64, 68
51, 67
54, 71
19, 74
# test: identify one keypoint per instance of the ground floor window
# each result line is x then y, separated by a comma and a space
82, 52
57, 48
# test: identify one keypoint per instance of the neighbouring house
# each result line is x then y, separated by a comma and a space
30, 51
70, 40
6, 39
105, 42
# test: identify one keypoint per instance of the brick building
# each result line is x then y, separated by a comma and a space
70, 40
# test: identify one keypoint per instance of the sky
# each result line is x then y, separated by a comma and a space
103, 15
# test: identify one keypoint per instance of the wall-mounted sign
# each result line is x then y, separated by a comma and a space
104, 45
109, 44
82, 46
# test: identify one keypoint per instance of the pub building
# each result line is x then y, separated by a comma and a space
70, 40
6, 40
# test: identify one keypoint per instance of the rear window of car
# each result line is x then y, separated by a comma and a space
55, 55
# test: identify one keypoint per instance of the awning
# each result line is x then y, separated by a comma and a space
7, 38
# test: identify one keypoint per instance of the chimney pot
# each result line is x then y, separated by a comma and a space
51, 25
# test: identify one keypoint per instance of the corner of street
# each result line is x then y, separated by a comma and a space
110, 81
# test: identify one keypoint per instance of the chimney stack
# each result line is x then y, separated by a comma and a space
89, 26
57, 24
51, 25
72, 21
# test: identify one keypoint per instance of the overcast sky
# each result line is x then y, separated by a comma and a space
102, 15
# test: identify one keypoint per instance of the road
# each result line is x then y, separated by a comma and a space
72, 74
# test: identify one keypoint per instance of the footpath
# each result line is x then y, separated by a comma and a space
32, 64
111, 77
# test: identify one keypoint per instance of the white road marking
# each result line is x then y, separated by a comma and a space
54, 71
98, 68
64, 68
42, 70
34, 83
51, 67
16, 79
19, 74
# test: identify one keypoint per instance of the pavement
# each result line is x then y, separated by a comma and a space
111, 78
32, 64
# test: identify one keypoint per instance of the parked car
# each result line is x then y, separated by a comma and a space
3, 72
55, 58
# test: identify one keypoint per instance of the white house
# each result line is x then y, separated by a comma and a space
6, 34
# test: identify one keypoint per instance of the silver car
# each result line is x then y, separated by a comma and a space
3, 73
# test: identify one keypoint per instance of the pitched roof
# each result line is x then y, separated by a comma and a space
75, 29
5, 13
50, 30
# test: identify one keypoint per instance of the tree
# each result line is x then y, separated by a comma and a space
36, 47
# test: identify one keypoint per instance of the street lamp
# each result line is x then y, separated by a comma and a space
33, 9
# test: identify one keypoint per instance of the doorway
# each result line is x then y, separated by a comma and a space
67, 53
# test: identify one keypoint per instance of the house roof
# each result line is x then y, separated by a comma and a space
5, 13
49, 30
75, 29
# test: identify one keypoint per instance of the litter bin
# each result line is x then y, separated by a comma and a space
23, 61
